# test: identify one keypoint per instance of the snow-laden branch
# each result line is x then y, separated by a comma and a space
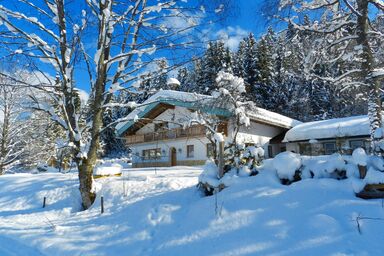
353, 9
378, 3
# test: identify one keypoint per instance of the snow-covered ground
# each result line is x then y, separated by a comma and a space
160, 212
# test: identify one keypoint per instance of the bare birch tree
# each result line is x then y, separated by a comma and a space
113, 40
347, 36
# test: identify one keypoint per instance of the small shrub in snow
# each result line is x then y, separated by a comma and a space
359, 157
253, 156
286, 164
245, 160
256, 152
332, 166
244, 171
242, 164
351, 170
377, 162
208, 179
374, 176
46, 168
357, 184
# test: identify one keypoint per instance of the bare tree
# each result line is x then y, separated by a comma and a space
347, 36
11, 125
113, 40
23, 136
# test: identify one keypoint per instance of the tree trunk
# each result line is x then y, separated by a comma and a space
221, 159
85, 179
86, 166
4, 143
367, 66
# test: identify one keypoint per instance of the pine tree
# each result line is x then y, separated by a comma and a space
264, 66
249, 65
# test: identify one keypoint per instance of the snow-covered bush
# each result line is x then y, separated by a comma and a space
287, 164
209, 178
374, 176
243, 161
290, 167
359, 156
253, 155
243, 164
377, 162
332, 166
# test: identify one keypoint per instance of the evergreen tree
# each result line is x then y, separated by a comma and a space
249, 65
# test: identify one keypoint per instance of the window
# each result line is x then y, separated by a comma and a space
161, 126
145, 154
190, 150
356, 144
210, 149
149, 154
305, 149
329, 148
223, 128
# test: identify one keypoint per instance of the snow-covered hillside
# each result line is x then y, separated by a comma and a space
160, 212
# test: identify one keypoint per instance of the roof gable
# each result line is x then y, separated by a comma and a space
193, 101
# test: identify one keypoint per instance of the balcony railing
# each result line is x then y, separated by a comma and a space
193, 131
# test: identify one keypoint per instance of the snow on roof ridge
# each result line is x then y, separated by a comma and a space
268, 117
331, 128
162, 94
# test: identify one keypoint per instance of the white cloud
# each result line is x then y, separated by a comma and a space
83, 95
37, 78
179, 21
231, 36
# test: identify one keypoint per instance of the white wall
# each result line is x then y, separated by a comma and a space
256, 133
200, 149
176, 115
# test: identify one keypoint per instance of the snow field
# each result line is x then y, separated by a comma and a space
160, 212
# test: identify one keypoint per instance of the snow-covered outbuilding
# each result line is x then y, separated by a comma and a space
329, 136
157, 136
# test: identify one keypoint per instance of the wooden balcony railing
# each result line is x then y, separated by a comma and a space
193, 131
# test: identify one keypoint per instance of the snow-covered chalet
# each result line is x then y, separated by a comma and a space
155, 133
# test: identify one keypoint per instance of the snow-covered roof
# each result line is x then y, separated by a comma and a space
332, 128
266, 116
171, 97
172, 80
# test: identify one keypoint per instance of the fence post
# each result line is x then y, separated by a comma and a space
102, 204
221, 159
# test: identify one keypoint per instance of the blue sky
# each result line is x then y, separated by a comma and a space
244, 18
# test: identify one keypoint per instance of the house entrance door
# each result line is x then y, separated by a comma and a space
173, 156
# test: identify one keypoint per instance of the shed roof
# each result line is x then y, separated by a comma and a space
332, 128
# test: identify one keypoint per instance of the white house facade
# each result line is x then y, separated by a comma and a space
155, 133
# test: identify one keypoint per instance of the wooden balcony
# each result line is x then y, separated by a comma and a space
194, 131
